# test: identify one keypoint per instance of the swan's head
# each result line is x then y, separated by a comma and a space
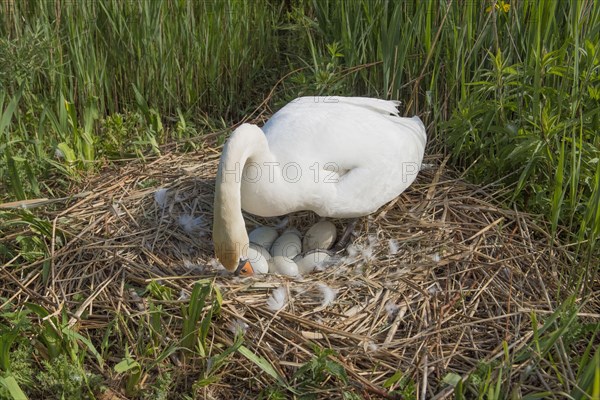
230, 245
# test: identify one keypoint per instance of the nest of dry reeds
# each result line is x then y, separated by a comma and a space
434, 282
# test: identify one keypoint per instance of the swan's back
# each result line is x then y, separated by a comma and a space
376, 155
343, 129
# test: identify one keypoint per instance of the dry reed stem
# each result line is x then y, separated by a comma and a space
466, 276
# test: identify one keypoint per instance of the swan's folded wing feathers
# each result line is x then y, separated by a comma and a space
378, 105
381, 106
375, 154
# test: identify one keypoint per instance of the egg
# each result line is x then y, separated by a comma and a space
308, 262
264, 252
258, 257
283, 266
320, 236
287, 245
263, 236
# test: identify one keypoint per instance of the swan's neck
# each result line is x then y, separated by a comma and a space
229, 230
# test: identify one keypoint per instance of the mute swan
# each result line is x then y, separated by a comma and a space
340, 157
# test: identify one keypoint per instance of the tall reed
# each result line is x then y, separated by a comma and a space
205, 56
509, 89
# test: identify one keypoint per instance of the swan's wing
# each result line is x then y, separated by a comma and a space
343, 130
364, 140
385, 107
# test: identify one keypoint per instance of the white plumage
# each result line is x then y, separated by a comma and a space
337, 156
160, 197
328, 294
278, 299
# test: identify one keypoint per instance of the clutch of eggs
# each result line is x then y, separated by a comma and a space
289, 254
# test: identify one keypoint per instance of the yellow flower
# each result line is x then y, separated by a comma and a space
499, 5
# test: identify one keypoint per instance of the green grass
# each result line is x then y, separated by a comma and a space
510, 92
518, 91
515, 89
178, 55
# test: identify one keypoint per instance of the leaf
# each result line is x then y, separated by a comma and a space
218, 299
589, 381
71, 334
135, 373
218, 360
263, 364
67, 152
6, 340
15, 179
452, 379
336, 369
90, 115
191, 314
204, 328
127, 364
48, 334
141, 102
159, 291
389, 382
7, 114
11, 384
39, 310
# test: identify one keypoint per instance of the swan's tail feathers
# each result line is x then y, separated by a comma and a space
412, 126
416, 125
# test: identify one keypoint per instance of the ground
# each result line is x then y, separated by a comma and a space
438, 285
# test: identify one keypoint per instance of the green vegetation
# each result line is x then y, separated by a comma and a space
510, 90
491, 380
513, 87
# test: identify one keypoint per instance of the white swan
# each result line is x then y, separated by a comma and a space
337, 156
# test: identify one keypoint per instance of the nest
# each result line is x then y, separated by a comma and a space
433, 282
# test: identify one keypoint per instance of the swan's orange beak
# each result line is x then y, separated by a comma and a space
244, 269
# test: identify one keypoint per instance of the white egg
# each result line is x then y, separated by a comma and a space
287, 245
293, 230
258, 259
263, 236
320, 236
311, 260
283, 266
264, 252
